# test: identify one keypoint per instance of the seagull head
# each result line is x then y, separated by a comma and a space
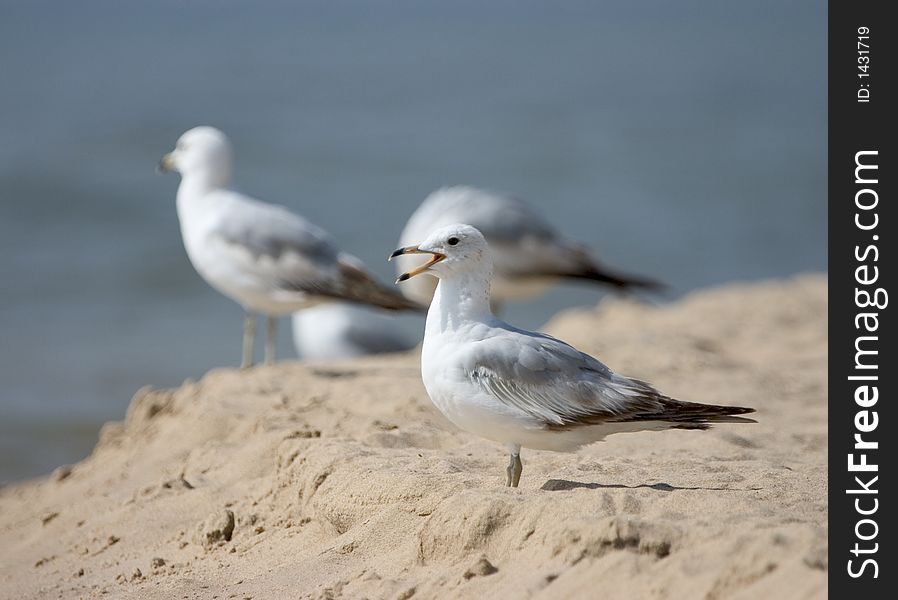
453, 250
203, 152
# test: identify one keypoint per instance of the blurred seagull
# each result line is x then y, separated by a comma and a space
342, 330
529, 255
267, 259
522, 388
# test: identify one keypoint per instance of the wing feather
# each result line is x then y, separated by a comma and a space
559, 386
281, 250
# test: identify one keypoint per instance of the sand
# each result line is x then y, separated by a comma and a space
341, 480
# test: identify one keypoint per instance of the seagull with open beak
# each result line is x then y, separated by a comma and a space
522, 388
435, 257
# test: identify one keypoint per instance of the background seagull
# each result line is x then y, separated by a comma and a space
522, 388
262, 256
341, 330
529, 255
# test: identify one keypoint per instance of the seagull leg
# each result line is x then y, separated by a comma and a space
509, 471
271, 341
515, 467
249, 338
518, 469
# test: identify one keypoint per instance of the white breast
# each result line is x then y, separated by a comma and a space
461, 400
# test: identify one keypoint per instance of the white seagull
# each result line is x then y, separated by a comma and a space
529, 255
267, 259
521, 388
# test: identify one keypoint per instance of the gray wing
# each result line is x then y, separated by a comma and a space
272, 244
526, 244
500, 218
267, 230
559, 386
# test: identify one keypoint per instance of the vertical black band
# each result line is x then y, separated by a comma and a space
863, 374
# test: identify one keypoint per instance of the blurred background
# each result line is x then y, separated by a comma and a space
682, 140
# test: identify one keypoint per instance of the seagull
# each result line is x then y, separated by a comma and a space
341, 330
518, 387
529, 255
267, 259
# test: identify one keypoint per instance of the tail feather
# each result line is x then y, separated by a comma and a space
678, 411
619, 280
358, 286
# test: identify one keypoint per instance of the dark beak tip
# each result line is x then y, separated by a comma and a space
403, 277
396, 253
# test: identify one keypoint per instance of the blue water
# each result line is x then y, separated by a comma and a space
682, 140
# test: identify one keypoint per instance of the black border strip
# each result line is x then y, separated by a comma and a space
862, 113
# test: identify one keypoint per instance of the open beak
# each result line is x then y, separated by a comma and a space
166, 165
434, 259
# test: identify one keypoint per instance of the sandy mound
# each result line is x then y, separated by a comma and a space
341, 480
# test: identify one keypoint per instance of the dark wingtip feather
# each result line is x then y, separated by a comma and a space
708, 413
361, 287
619, 280
692, 413
730, 419
732, 410
389, 300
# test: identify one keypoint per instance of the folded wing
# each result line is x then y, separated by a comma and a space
559, 387
279, 250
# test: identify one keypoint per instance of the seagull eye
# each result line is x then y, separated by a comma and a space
452, 241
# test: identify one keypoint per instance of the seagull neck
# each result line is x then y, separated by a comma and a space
204, 180
459, 300
193, 193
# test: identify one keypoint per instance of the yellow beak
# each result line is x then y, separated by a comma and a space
434, 259
166, 164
